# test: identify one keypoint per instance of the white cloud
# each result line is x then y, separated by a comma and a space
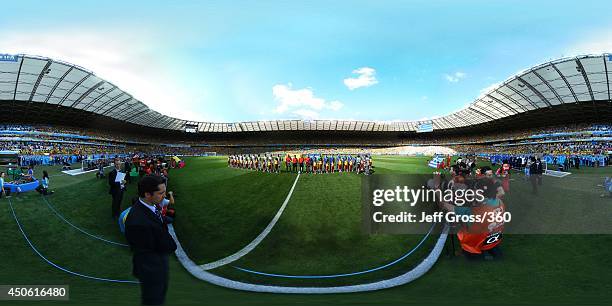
288, 98
335, 105
128, 59
366, 78
301, 102
455, 77
306, 114
594, 43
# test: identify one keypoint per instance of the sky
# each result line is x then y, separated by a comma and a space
229, 61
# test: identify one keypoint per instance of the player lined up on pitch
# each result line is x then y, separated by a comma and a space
303, 163
258, 162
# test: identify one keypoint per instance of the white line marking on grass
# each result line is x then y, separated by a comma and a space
405, 278
80, 171
249, 247
556, 173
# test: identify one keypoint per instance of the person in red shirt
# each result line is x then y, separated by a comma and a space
441, 166
294, 161
504, 173
301, 163
307, 163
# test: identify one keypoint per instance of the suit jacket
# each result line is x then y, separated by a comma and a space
115, 187
150, 243
127, 167
540, 167
536, 168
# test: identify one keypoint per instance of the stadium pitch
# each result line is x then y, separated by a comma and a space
221, 209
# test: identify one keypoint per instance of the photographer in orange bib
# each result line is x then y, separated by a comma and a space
481, 240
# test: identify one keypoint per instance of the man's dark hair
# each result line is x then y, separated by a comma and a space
150, 184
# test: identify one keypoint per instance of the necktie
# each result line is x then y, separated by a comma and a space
158, 212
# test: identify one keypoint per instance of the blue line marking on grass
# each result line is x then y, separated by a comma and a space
78, 228
58, 266
344, 274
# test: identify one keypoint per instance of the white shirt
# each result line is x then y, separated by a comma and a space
164, 203
150, 207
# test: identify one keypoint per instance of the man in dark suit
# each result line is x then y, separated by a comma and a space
536, 169
127, 168
149, 240
116, 188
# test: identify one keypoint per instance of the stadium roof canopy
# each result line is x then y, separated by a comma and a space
34, 79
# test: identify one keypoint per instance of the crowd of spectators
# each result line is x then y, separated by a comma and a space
564, 148
59, 141
547, 133
62, 145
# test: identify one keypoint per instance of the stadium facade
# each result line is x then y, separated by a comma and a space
36, 89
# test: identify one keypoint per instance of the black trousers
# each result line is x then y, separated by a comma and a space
536, 180
154, 284
153, 293
116, 207
40, 189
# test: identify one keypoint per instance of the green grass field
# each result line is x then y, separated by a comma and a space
220, 210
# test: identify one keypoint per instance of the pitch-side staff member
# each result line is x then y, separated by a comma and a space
150, 241
116, 188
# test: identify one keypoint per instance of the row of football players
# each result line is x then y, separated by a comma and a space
259, 162
312, 163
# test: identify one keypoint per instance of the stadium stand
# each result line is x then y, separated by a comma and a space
32, 140
558, 108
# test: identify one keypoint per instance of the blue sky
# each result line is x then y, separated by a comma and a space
253, 60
